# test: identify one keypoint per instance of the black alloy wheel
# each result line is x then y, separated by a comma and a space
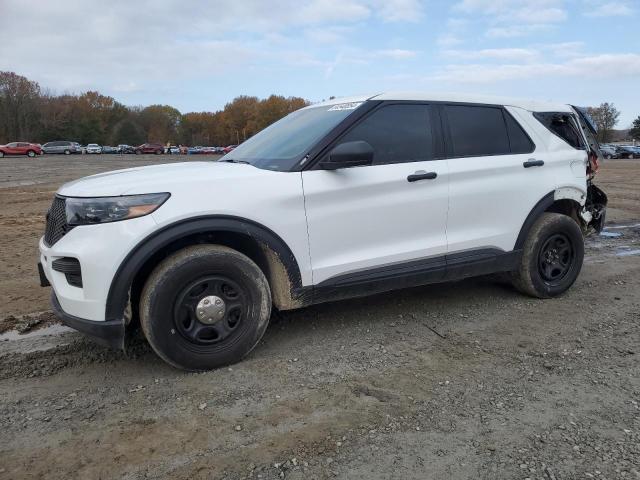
555, 258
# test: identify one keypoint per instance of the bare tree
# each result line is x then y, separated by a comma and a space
606, 117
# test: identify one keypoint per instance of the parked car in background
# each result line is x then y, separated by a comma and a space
21, 148
63, 147
93, 148
209, 150
149, 148
109, 149
173, 150
608, 151
229, 148
627, 151
194, 150
124, 148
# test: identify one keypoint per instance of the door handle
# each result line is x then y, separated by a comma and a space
533, 163
421, 175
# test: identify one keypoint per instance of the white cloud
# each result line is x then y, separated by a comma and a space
144, 44
400, 10
396, 53
528, 11
606, 65
448, 40
513, 31
514, 18
608, 9
514, 54
565, 49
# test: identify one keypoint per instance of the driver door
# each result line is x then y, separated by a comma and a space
384, 219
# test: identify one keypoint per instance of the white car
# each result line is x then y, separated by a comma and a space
345, 198
93, 148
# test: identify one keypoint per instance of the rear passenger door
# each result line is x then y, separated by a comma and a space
369, 222
496, 176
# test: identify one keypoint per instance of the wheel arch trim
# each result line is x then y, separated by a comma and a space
564, 193
119, 290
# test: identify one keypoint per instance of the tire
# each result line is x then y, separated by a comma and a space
546, 269
1, 154
178, 287
158, 152
31, 153
608, 157
630, 156
67, 152
138, 152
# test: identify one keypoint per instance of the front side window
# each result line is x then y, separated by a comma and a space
477, 131
397, 133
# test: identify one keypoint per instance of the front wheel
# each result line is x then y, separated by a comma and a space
552, 257
31, 153
67, 152
204, 307
1, 154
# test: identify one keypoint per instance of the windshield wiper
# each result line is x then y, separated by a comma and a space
232, 160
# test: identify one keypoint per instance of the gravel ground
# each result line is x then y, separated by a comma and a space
459, 380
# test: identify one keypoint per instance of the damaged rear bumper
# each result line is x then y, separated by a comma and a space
595, 209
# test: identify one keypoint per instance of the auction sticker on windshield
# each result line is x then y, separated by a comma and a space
345, 106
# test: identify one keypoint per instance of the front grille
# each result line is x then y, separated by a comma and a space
56, 222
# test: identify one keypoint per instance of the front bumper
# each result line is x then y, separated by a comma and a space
110, 333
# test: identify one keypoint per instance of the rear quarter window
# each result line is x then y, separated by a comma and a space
562, 125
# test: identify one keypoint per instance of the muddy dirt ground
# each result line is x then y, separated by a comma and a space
464, 380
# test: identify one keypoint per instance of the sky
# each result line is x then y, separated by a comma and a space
197, 55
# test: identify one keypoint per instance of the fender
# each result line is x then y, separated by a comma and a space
118, 296
564, 193
570, 193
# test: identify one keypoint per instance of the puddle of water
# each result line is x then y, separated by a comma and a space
627, 253
50, 330
611, 227
610, 234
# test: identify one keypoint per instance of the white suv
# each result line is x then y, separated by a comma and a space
345, 198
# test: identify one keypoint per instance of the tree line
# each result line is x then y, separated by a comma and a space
31, 113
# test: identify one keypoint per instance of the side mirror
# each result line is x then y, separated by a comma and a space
349, 154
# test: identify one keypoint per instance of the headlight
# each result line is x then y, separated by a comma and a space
88, 211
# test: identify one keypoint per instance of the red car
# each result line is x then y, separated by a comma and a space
20, 148
150, 148
229, 148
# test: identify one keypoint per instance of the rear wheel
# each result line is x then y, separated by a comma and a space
552, 257
630, 156
158, 152
204, 307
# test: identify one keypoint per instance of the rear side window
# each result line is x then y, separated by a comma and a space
397, 133
562, 125
477, 131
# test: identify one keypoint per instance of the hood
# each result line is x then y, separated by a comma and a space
155, 178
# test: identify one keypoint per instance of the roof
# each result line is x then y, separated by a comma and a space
532, 105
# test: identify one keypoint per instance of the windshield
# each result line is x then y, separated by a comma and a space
281, 145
